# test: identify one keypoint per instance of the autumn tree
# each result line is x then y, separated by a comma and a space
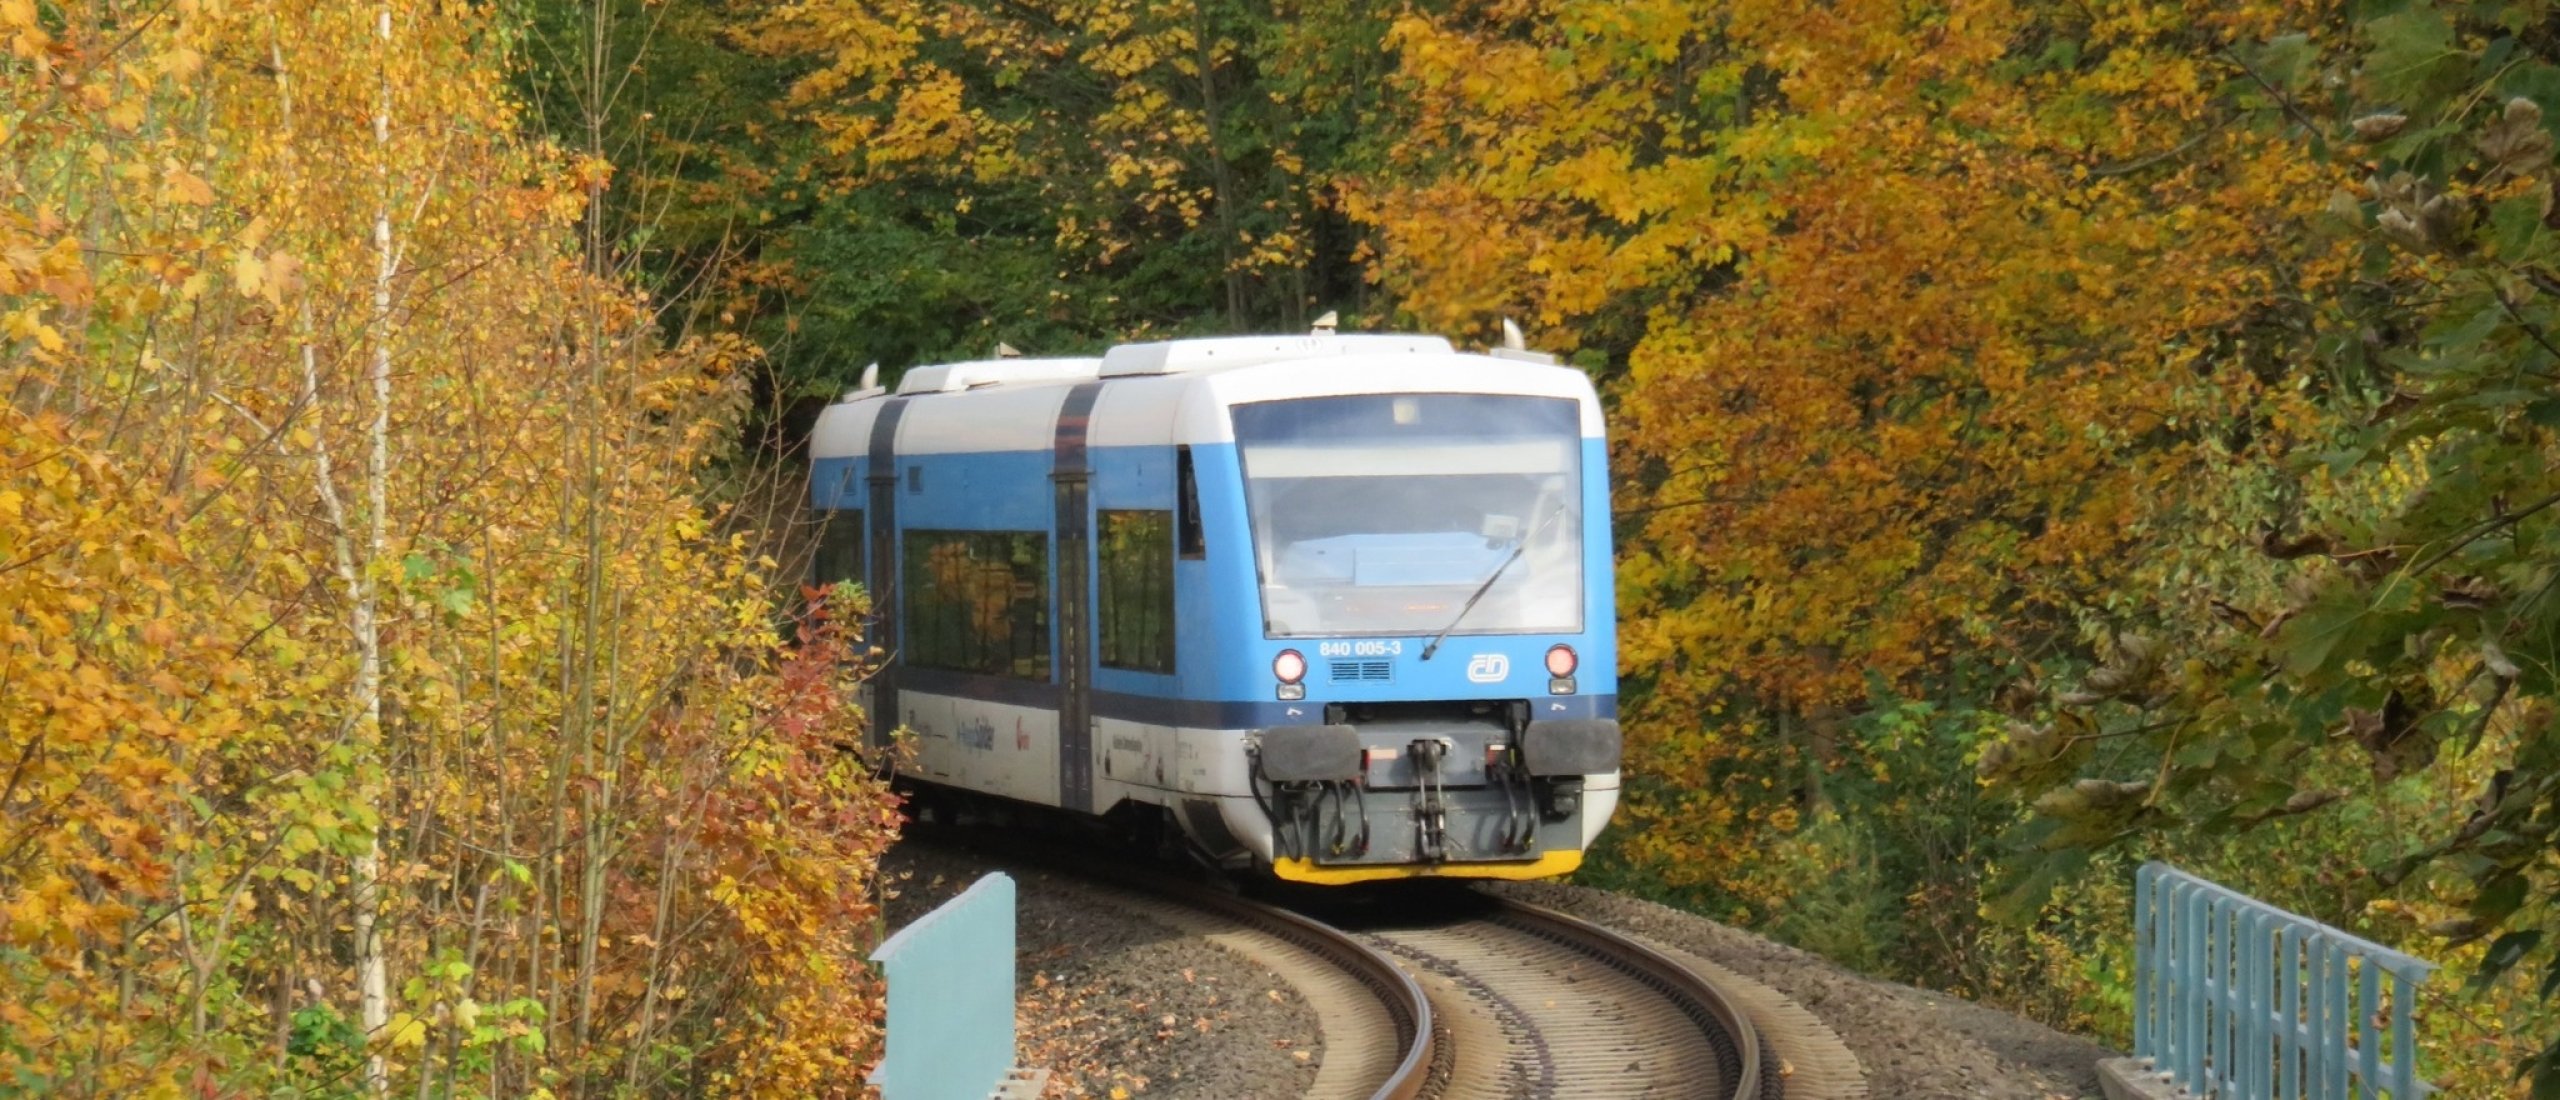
1918, 311
2385, 644
1962, 358
1056, 175
384, 710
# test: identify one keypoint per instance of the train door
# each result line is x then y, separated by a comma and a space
1072, 477
1074, 614
883, 563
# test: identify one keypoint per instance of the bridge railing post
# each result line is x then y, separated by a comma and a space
2234, 998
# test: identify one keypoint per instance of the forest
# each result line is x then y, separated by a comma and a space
2046, 437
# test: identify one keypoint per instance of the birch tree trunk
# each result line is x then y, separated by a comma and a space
365, 716
371, 973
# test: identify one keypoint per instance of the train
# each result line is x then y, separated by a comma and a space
1337, 606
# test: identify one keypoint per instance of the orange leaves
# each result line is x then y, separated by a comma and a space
27, 37
90, 720
788, 850
586, 173
30, 266
184, 187
1915, 341
1927, 327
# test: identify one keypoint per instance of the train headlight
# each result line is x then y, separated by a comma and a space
1289, 667
1561, 662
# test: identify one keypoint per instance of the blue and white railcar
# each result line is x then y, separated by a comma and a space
1335, 604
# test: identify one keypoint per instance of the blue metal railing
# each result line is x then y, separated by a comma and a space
2235, 998
950, 1030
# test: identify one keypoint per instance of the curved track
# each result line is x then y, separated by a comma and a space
1450, 994
1379, 1031
1540, 1004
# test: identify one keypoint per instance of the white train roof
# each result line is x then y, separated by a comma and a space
1225, 353
958, 377
1175, 391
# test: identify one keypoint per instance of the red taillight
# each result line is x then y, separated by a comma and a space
1561, 661
1290, 666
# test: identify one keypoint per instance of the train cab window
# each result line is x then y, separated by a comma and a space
1415, 514
1195, 542
1136, 550
977, 601
840, 546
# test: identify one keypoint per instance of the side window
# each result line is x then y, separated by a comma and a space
840, 544
1195, 542
1136, 548
978, 601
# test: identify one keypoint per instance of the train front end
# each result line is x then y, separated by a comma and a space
1425, 618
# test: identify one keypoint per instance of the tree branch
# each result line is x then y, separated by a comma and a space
2282, 100
2480, 531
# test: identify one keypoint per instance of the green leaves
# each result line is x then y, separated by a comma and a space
2289, 61
2414, 61
2337, 625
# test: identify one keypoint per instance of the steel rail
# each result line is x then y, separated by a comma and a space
1396, 990
1425, 1064
1697, 997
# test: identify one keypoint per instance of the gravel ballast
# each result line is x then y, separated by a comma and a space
1913, 1042
1112, 999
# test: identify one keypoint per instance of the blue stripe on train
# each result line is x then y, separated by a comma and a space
1223, 663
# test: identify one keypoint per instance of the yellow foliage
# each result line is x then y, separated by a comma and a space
1123, 117
1939, 336
1924, 320
586, 715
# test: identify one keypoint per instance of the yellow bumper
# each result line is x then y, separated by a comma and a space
1546, 866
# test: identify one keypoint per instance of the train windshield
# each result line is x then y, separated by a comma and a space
1383, 513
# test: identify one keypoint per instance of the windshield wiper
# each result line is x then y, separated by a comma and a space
1522, 548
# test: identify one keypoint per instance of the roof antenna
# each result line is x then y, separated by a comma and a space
1515, 346
1325, 325
1007, 351
870, 376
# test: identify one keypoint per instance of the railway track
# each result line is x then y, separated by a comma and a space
1534, 1003
1380, 1032
1493, 999
1380, 1035
1450, 994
